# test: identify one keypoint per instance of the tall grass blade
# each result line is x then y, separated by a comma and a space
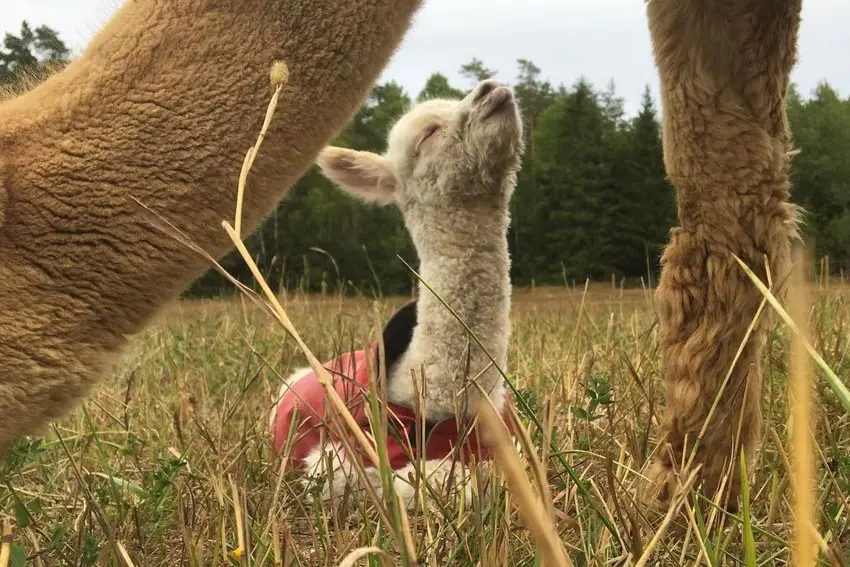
835, 383
800, 402
747, 528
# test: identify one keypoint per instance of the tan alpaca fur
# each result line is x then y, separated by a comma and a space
162, 106
724, 68
450, 166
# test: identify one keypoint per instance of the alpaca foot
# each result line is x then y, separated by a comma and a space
728, 501
658, 489
657, 493
664, 481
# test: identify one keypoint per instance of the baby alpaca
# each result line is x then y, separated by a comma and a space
451, 168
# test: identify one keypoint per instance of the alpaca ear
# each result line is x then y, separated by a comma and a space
364, 174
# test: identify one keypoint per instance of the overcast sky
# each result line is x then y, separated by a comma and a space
600, 39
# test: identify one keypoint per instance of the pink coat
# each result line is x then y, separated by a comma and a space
350, 375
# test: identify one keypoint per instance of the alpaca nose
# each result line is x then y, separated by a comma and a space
484, 88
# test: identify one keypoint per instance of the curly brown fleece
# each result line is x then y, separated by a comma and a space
162, 106
724, 67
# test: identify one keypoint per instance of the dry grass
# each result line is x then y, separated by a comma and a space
28, 80
170, 458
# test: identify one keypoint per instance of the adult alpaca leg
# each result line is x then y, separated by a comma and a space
724, 67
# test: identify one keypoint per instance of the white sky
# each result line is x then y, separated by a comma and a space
600, 39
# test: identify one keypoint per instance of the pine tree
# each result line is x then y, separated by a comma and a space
533, 97
821, 172
613, 106
574, 176
648, 208
437, 86
476, 72
31, 52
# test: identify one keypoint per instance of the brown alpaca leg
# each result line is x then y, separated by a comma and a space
735, 423
724, 67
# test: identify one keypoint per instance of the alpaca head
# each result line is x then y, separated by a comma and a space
440, 154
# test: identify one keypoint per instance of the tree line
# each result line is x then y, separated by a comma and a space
592, 200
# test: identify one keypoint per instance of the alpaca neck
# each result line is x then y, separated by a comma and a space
160, 108
464, 259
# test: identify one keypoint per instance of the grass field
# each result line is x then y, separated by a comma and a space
168, 463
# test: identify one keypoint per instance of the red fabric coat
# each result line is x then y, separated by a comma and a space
350, 375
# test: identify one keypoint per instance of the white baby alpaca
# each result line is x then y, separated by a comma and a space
451, 169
